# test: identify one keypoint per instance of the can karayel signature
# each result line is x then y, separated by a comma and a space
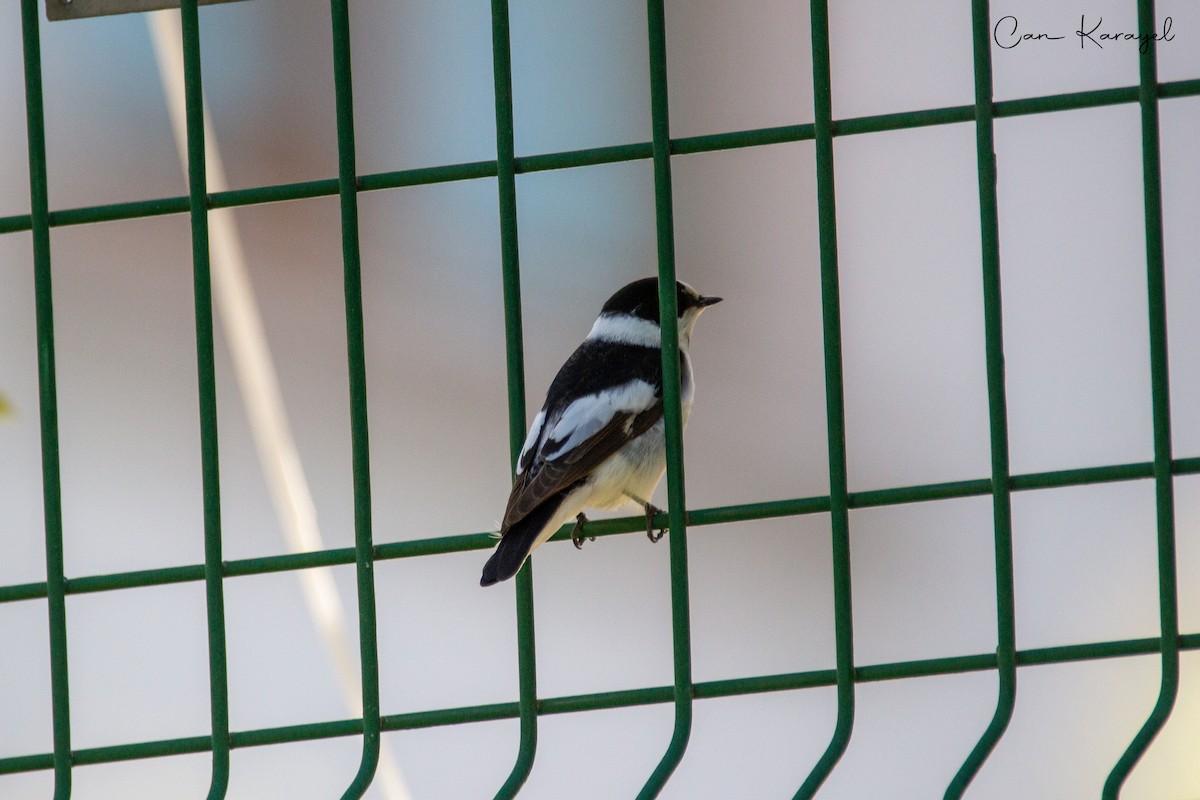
1007, 34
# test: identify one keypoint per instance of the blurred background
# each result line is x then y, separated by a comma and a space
1073, 264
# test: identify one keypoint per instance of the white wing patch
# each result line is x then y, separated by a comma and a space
586, 416
531, 440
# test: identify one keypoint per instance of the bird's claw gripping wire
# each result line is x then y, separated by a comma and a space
577, 532
651, 510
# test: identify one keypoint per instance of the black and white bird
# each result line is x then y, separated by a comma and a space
599, 440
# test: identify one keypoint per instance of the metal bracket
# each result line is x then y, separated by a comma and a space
78, 9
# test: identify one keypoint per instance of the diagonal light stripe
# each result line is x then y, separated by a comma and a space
259, 386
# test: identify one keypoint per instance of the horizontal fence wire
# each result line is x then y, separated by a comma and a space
708, 143
617, 699
655, 695
837, 504
439, 545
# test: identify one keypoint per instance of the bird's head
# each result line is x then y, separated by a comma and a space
632, 313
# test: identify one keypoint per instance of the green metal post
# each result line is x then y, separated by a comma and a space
835, 404
56, 583
515, 353
997, 406
672, 413
1160, 394
364, 553
207, 383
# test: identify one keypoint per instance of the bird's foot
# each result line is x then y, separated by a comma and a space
651, 510
577, 532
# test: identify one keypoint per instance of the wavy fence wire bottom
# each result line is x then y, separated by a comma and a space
844, 674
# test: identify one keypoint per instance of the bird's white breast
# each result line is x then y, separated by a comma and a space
637, 467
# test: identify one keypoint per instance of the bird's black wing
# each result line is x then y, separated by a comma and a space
604, 396
547, 478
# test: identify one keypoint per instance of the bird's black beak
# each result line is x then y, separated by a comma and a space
704, 302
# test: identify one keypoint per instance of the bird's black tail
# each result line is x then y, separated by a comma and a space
516, 543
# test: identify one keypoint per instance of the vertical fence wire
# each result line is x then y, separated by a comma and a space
664, 223
364, 554
207, 390
835, 414
515, 370
664, 220
56, 583
989, 228
1160, 396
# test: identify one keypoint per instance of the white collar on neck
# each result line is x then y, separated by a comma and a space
626, 329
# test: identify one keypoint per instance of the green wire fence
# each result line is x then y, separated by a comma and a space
529, 707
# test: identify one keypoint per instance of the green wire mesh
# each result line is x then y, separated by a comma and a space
846, 674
